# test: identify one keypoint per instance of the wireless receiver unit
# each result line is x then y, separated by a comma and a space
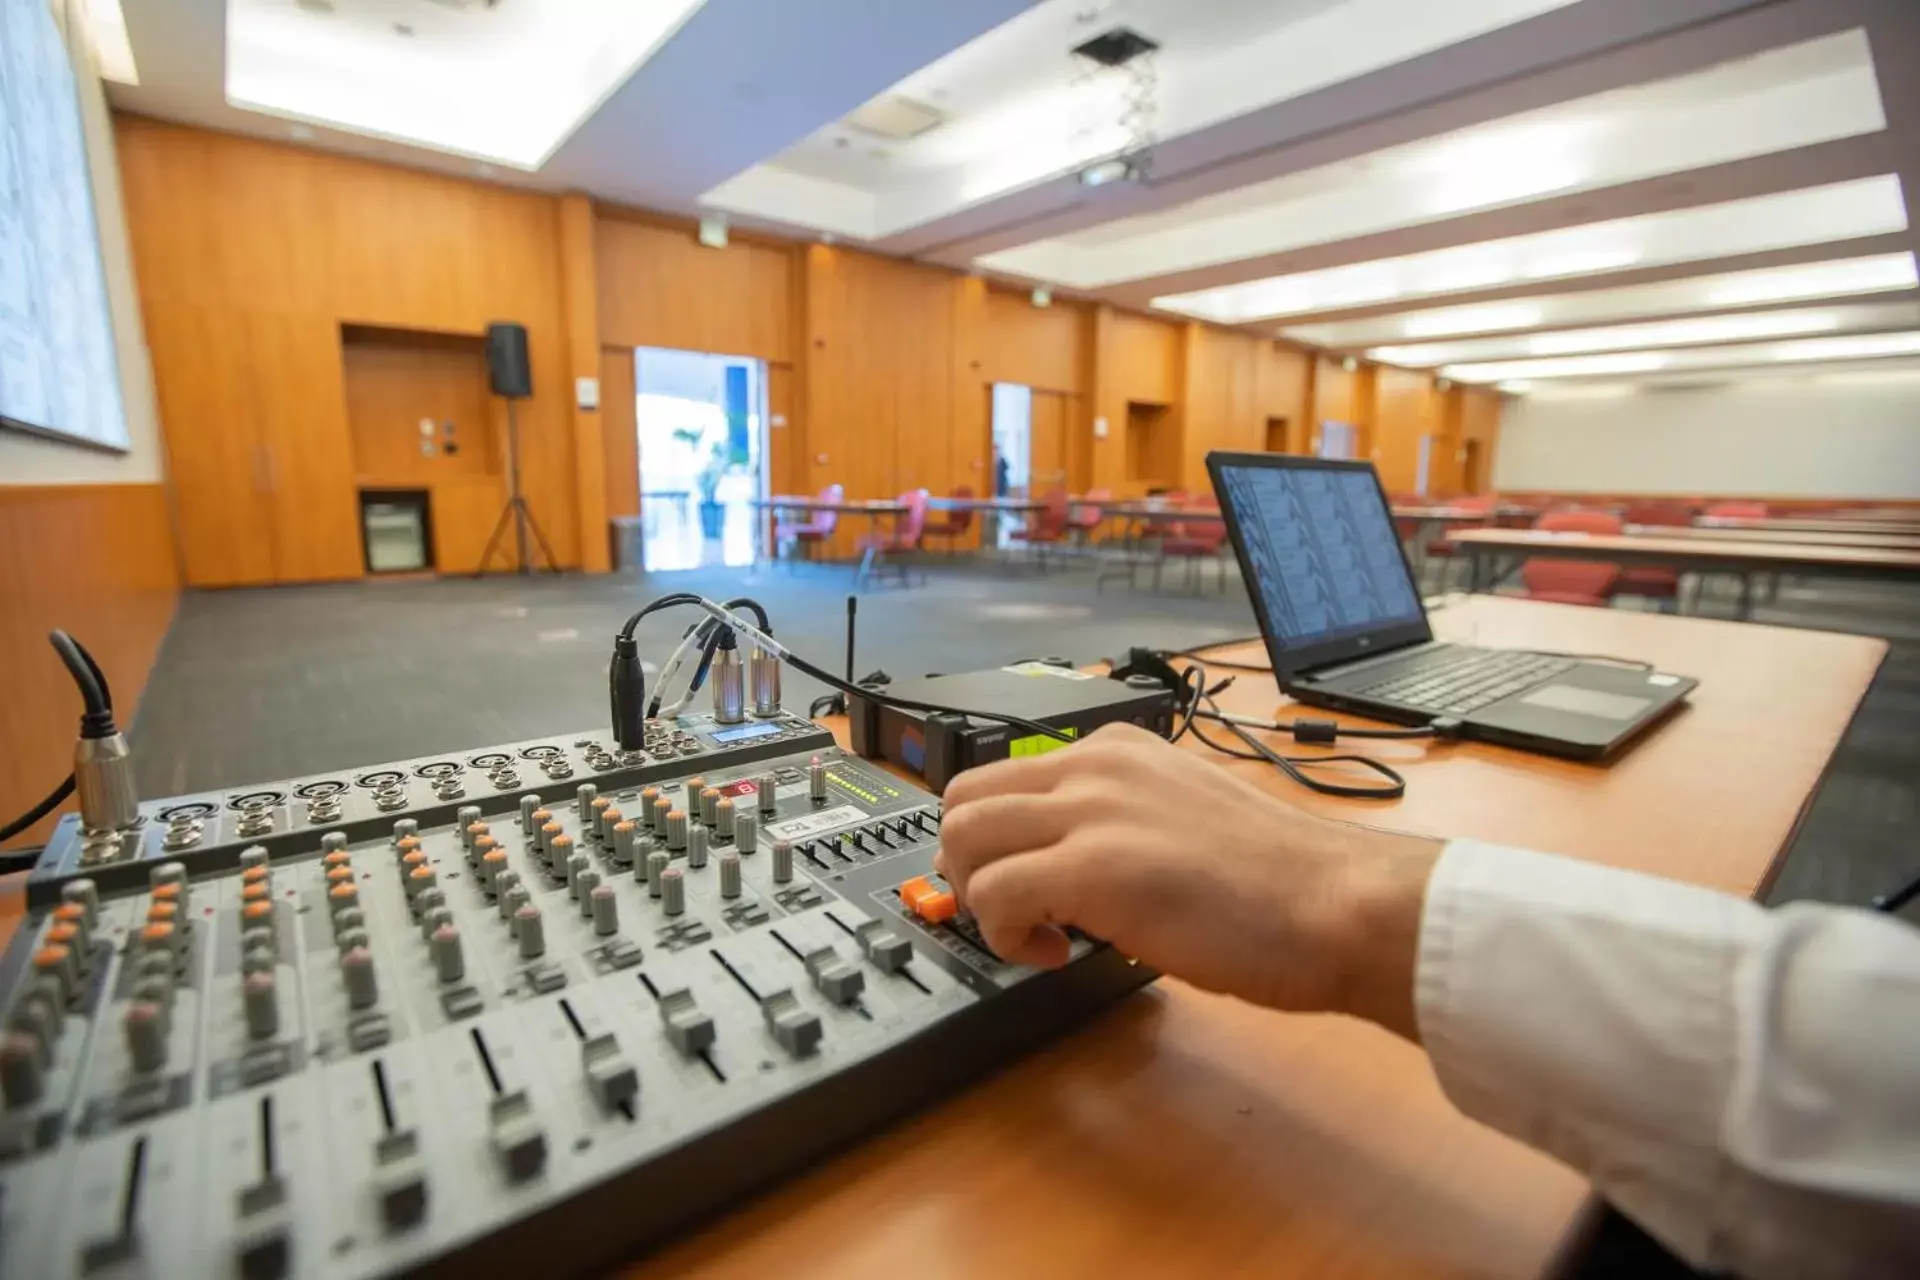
939, 746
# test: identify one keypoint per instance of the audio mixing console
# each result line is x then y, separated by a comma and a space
532, 1006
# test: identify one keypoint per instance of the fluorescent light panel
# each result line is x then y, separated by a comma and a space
506, 83
1816, 215
1846, 347
1798, 96
1881, 273
1700, 331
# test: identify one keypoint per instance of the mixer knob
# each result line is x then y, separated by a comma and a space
662, 806
690, 1030
262, 1004
729, 874
625, 838
504, 885
403, 828
352, 939
517, 897
39, 1018
348, 918
677, 829
611, 1078
722, 817
886, 950
356, 970
767, 790
474, 832
746, 831
146, 1026
519, 1143
673, 891
584, 884
465, 816
697, 847
333, 842
550, 837
532, 932
583, 797
656, 866
649, 799
343, 897
449, 962
709, 806
528, 803
604, 904
796, 1027
481, 848
782, 861
71, 930
431, 920
817, 781
429, 900
404, 847
419, 880
257, 959
23, 1076
253, 856
86, 894
493, 865
609, 818
694, 787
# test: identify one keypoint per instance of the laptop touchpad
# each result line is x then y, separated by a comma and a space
1586, 702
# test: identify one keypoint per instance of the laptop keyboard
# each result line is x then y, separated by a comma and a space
1457, 684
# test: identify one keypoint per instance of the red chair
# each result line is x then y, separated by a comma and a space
1194, 541
1085, 516
813, 531
1651, 581
1737, 511
909, 528
957, 525
1049, 526
1573, 581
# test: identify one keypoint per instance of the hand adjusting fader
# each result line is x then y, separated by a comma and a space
456, 1013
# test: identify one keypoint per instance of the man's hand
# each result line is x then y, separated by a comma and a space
1177, 862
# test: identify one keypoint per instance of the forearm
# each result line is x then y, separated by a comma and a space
1742, 1082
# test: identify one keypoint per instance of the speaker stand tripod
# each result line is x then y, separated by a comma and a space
517, 511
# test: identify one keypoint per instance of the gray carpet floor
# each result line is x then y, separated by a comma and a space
259, 685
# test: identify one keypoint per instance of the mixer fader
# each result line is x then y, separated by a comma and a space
535, 1005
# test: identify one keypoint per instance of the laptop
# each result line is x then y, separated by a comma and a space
1345, 627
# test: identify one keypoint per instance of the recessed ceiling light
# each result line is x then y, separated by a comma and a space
1849, 348
1099, 175
1499, 315
299, 132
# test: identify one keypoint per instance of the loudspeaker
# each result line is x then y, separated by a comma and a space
507, 369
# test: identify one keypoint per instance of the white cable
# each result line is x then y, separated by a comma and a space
689, 643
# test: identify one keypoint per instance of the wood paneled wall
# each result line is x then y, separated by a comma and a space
250, 256
96, 560
1404, 415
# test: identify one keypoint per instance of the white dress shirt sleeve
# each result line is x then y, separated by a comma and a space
1744, 1083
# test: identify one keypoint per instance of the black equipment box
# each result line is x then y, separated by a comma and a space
939, 746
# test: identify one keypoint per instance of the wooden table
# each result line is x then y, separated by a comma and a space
1909, 540
871, 508
1810, 524
1184, 1134
1140, 517
1492, 553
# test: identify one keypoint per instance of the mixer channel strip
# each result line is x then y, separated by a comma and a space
438, 1021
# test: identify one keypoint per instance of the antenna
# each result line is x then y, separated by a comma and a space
853, 607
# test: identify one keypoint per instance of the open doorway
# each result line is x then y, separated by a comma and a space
701, 423
1012, 423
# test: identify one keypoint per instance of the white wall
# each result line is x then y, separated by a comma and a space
1840, 435
32, 460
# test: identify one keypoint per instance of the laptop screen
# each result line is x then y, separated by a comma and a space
1320, 555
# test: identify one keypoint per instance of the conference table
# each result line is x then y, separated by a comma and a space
872, 508
1909, 539
1183, 1134
989, 509
1144, 520
1493, 553
1811, 524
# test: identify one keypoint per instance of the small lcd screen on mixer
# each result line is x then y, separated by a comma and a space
745, 731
